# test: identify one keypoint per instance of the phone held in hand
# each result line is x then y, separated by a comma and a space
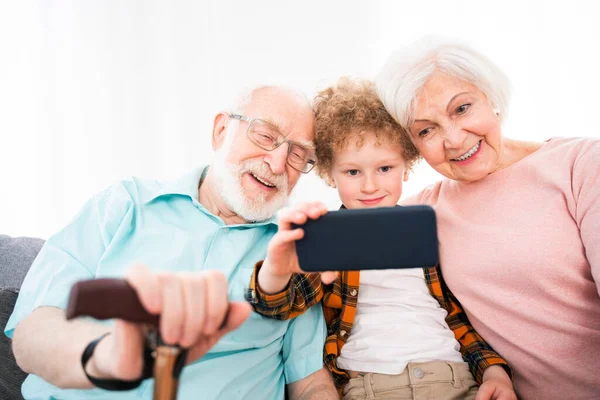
373, 238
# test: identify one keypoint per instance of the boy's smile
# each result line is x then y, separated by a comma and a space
369, 172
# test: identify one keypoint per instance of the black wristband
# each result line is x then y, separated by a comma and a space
116, 384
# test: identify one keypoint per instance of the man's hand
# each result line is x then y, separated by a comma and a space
282, 260
496, 385
192, 307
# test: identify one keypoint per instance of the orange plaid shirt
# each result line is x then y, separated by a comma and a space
339, 308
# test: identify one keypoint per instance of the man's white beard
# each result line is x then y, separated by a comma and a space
228, 178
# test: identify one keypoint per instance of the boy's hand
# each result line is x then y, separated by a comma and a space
496, 385
282, 260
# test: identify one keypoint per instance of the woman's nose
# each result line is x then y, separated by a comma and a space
454, 137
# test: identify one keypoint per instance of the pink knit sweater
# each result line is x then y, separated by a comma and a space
521, 251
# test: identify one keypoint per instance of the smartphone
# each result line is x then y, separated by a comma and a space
372, 238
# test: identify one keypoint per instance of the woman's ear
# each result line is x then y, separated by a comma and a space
219, 130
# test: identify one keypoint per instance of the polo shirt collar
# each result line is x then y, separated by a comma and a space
188, 185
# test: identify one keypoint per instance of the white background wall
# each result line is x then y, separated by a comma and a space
94, 91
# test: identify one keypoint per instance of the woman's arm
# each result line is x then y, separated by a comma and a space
586, 192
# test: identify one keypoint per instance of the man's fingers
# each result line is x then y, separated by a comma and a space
217, 301
127, 343
147, 287
239, 311
173, 314
194, 294
237, 314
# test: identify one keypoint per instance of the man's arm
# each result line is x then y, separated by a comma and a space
317, 386
192, 307
46, 335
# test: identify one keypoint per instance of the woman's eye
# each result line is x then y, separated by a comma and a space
424, 132
353, 172
385, 169
463, 108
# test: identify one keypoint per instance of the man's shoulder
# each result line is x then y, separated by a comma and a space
141, 190
128, 190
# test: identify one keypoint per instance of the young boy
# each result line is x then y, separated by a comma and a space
388, 337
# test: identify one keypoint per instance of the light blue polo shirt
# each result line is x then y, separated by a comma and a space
165, 227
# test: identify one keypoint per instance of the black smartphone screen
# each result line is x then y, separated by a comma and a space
374, 238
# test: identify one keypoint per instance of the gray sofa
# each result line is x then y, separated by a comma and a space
16, 256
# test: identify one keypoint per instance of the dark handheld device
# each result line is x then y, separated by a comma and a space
374, 238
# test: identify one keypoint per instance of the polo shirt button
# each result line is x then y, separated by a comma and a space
225, 230
418, 373
342, 333
353, 292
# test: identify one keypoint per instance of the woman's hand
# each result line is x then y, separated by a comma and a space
282, 260
496, 385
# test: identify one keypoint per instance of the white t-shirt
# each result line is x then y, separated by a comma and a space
397, 321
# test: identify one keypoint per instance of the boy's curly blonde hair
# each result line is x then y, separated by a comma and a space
351, 107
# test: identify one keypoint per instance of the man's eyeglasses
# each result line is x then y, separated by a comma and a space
266, 136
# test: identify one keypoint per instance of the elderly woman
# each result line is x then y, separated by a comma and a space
519, 222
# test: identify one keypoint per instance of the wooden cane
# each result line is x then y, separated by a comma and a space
115, 298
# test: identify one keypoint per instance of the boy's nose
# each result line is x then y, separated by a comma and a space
369, 185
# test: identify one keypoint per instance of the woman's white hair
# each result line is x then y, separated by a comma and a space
407, 70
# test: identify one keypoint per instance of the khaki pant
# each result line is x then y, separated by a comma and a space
436, 380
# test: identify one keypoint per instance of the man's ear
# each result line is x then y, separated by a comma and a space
219, 130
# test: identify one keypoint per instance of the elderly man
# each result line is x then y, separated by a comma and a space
187, 247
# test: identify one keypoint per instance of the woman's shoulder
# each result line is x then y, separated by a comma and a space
428, 195
572, 150
571, 144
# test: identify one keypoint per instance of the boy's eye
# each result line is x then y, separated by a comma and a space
463, 108
385, 169
352, 172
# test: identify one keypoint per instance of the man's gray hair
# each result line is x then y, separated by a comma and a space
244, 98
407, 70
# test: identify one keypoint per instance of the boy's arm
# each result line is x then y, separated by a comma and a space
278, 288
489, 369
474, 349
302, 292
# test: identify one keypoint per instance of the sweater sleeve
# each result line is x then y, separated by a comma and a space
586, 192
